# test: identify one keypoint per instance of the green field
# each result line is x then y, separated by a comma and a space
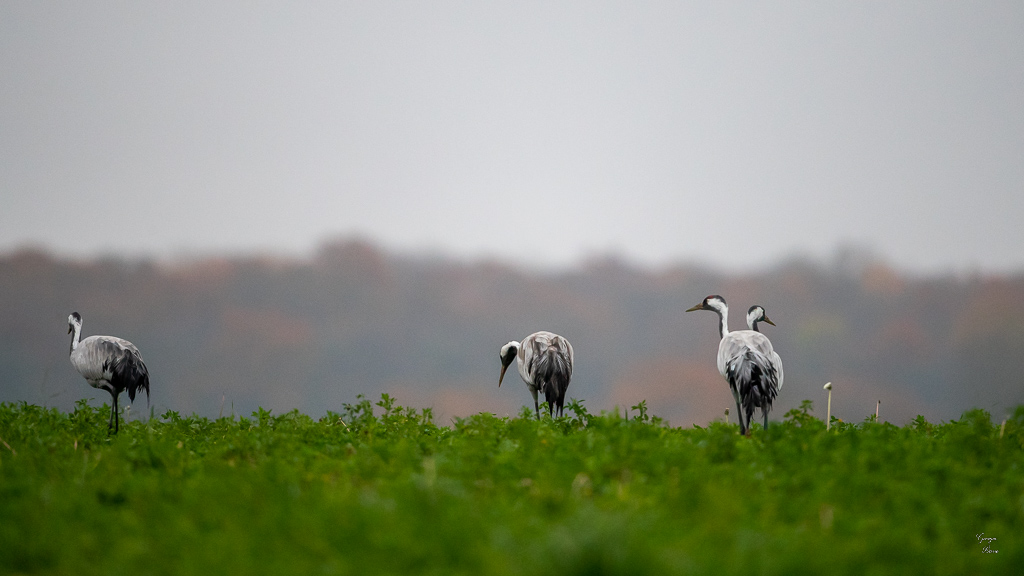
385, 490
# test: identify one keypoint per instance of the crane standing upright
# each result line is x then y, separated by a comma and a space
748, 362
108, 363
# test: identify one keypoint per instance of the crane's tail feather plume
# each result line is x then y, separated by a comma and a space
129, 372
754, 379
553, 371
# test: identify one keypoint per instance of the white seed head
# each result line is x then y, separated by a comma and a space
828, 386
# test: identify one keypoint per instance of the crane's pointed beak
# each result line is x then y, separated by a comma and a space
697, 307
768, 321
503, 367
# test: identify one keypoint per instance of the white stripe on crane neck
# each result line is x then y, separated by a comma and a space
78, 333
723, 320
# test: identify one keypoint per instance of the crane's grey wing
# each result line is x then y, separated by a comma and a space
562, 351
89, 357
530, 349
114, 360
543, 343
736, 343
754, 340
547, 358
525, 359
730, 347
551, 366
777, 361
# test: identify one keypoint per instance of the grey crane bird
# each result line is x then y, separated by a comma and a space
545, 363
108, 363
748, 362
757, 314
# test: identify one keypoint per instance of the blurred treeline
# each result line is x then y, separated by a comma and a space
225, 335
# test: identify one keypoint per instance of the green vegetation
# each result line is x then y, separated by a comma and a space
395, 493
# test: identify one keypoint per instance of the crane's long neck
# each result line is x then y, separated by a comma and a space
76, 334
723, 321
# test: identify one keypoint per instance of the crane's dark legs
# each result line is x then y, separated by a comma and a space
114, 421
536, 405
765, 411
739, 415
110, 421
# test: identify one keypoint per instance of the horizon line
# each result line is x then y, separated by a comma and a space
848, 259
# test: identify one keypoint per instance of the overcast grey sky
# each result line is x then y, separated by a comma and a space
542, 132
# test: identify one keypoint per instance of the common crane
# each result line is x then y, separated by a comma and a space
748, 363
108, 363
545, 363
757, 314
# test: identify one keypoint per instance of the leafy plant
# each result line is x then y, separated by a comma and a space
378, 487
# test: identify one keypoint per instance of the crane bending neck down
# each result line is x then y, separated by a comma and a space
545, 362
